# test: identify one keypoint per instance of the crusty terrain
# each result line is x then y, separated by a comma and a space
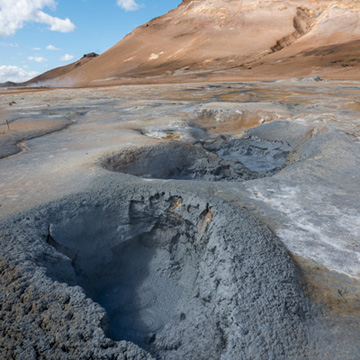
163, 219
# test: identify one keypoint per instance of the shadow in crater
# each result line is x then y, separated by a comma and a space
128, 262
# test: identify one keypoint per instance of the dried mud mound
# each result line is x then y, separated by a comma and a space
178, 276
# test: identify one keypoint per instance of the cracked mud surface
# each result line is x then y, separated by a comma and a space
258, 258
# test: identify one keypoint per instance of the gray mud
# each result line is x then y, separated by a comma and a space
26, 128
259, 153
178, 161
140, 267
264, 149
178, 276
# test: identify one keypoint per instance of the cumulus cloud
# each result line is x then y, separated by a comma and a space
67, 57
128, 5
52, 47
15, 74
36, 48
56, 24
14, 14
38, 59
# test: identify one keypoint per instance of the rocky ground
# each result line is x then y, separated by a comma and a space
181, 221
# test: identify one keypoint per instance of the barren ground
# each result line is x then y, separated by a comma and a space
257, 183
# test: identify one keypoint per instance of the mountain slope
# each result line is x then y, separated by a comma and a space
233, 40
53, 74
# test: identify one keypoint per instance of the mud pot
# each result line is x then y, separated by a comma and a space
178, 276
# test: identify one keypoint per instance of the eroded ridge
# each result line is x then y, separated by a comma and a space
180, 276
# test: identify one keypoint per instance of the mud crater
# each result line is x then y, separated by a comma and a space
180, 279
213, 160
260, 152
144, 270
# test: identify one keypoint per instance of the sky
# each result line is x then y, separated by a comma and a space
39, 35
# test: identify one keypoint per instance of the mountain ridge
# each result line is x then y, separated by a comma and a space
231, 40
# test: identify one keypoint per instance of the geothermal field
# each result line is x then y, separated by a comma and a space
187, 210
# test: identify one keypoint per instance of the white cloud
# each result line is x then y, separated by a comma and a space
67, 57
128, 5
36, 48
15, 74
52, 47
55, 23
14, 14
38, 59
8, 44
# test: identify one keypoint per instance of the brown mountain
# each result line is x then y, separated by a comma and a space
230, 40
51, 76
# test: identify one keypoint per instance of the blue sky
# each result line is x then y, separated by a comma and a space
38, 35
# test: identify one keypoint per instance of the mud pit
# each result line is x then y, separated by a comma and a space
137, 271
178, 276
258, 154
178, 161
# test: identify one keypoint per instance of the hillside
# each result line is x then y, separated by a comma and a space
50, 77
231, 40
